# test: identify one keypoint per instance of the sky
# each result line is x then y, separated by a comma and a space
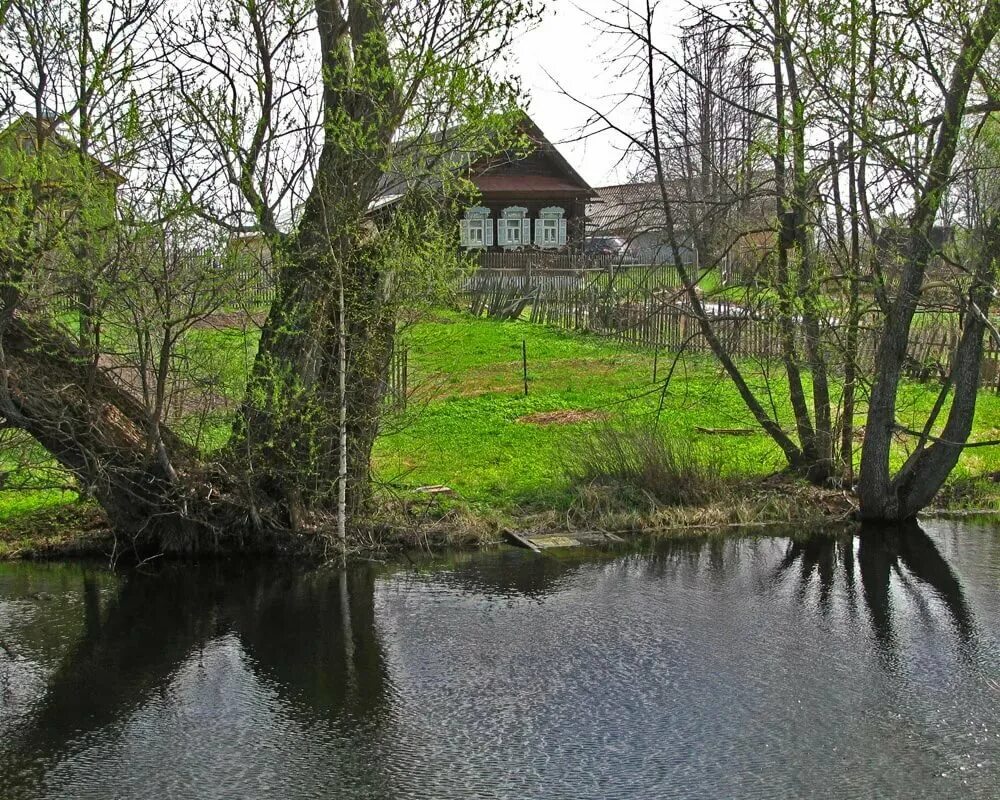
566, 45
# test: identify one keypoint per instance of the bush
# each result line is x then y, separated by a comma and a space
642, 463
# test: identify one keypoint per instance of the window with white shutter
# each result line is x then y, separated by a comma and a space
550, 227
514, 228
477, 228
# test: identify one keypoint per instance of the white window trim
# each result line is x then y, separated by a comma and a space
512, 219
477, 218
509, 232
477, 225
551, 219
550, 232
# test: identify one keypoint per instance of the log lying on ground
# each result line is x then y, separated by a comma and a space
726, 431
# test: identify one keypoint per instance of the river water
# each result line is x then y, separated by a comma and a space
830, 667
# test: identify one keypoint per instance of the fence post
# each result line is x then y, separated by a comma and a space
524, 364
405, 377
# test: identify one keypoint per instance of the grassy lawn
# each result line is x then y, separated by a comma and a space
469, 425
466, 427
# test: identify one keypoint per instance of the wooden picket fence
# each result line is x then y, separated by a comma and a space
256, 289
396, 393
645, 306
541, 260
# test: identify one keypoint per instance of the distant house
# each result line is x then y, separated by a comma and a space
52, 190
892, 249
533, 200
64, 175
633, 212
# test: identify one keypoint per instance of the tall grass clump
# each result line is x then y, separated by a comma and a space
643, 465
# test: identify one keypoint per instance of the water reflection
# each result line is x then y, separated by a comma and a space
513, 573
313, 636
678, 668
310, 635
878, 555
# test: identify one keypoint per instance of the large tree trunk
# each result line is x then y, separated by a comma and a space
289, 432
314, 395
154, 493
880, 495
930, 464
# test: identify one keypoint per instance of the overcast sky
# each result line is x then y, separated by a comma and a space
566, 44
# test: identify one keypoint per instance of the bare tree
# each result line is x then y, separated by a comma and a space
708, 166
901, 496
860, 119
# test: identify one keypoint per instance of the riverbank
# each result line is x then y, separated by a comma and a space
773, 505
475, 453
75, 530
79, 530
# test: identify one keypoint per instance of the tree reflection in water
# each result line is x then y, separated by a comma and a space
310, 633
878, 554
312, 637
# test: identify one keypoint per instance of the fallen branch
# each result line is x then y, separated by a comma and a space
726, 431
938, 440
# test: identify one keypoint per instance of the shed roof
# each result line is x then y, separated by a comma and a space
632, 208
627, 208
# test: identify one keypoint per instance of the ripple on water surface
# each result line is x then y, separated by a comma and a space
832, 667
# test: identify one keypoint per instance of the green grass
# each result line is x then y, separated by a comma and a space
465, 425
464, 429
28, 501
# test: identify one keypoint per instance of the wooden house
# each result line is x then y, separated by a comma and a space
530, 199
35, 154
61, 195
535, 200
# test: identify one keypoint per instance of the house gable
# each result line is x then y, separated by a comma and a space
542, 170
531, 181
535, 199
20, 137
